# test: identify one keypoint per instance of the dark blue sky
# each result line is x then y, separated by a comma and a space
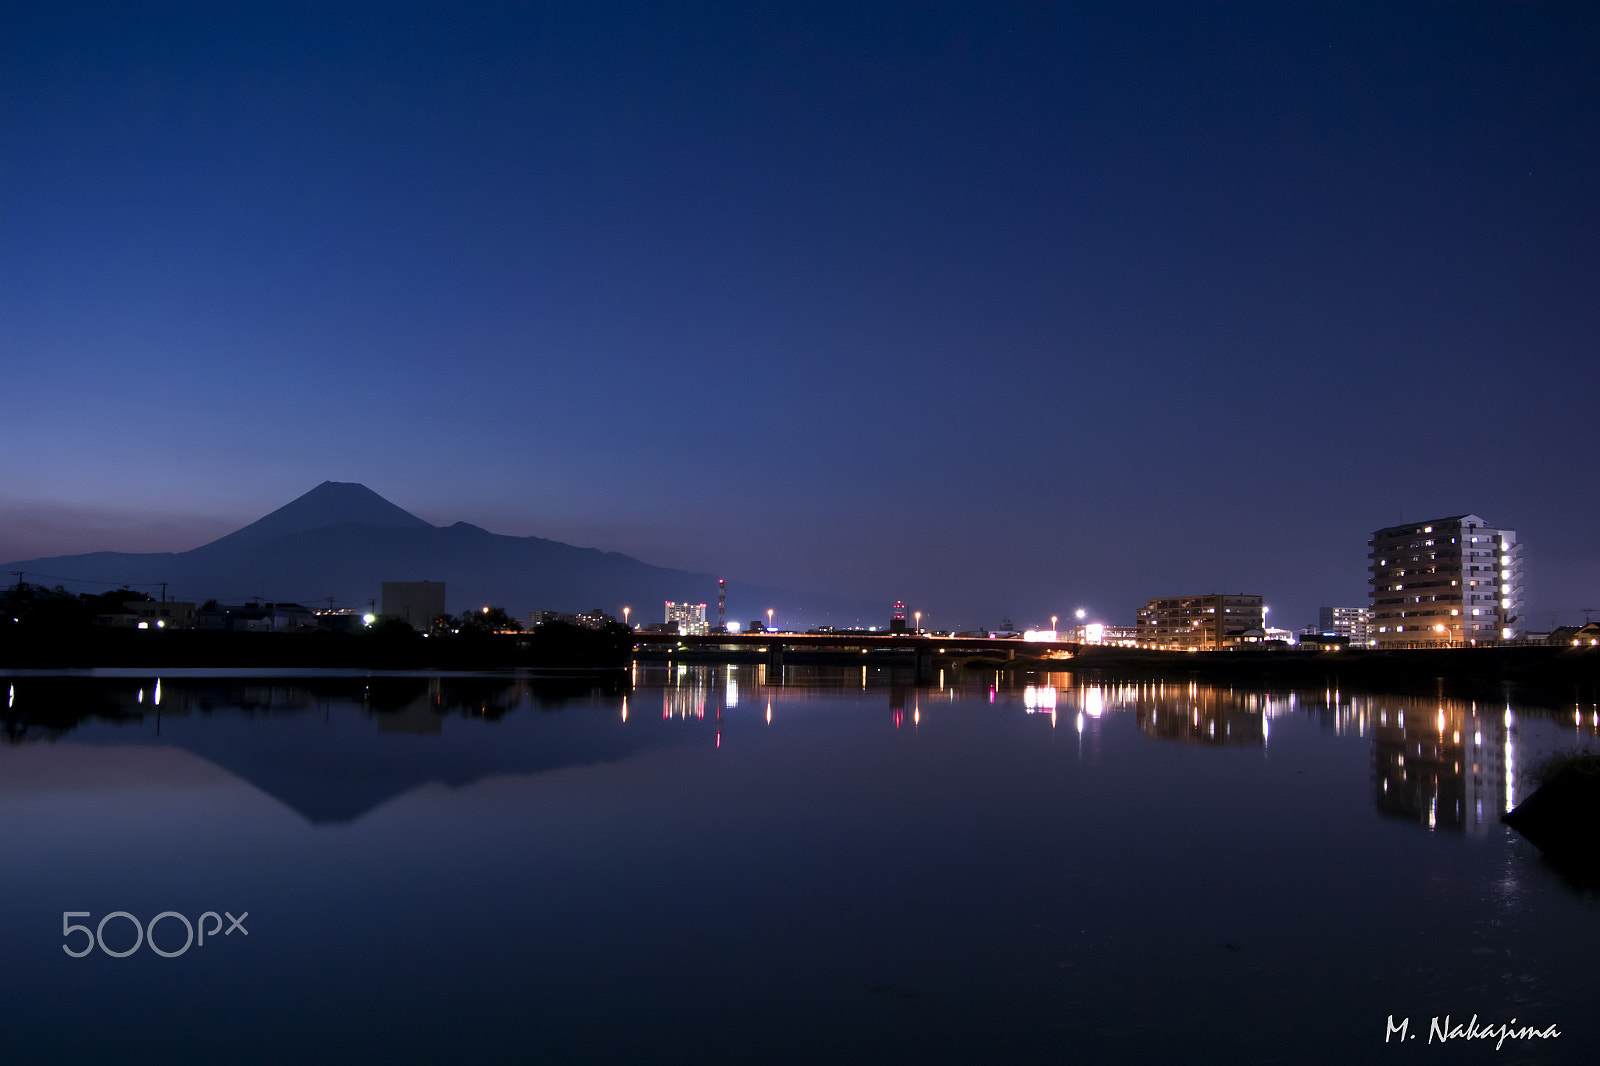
999, 309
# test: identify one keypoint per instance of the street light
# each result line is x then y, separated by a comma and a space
1052, 623
625, 611
769, 619
918, 616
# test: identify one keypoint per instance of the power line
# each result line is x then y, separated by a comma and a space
86, 581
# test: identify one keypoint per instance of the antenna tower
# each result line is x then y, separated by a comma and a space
722, 603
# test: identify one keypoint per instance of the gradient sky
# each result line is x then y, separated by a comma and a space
1002, 310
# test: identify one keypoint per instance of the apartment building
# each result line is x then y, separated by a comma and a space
1445, 581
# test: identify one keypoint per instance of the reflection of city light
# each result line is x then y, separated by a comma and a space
624, 708
1094, 702
1039, 698
1080, 721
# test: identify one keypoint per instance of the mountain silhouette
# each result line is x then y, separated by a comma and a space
341, 541
332, 503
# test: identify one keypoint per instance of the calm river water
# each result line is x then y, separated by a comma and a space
694, 865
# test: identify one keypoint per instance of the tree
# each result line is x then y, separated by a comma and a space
488, 620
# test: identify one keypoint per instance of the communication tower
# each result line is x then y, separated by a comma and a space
722, 603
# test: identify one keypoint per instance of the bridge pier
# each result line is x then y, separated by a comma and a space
775, 661
924, 666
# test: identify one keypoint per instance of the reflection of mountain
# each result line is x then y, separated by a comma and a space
339, 779
343, 540
334, 749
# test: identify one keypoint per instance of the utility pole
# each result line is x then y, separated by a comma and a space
18, 574
163, 585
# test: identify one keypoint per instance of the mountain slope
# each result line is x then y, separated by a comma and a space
332, 503
341, 542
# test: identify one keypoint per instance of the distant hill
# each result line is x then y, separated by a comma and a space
342, 540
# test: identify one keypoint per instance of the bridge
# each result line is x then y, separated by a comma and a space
923, 646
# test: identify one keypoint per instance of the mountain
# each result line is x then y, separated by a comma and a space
341, 541
332, 503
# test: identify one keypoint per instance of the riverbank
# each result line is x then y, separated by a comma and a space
1551, 669
570, 647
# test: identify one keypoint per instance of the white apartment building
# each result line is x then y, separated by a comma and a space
1453, 580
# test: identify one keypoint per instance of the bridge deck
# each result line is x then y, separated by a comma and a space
863, 641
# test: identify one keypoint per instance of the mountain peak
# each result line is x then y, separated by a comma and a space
332, 503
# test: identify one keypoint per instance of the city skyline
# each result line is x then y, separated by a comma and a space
1001, 313
308, 541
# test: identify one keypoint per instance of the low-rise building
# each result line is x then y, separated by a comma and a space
256, 617
1584, 636
1100, 633
150, 614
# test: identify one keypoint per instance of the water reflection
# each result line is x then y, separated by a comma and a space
1442, 763
984, 855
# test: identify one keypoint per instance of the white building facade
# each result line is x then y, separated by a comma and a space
1447, 581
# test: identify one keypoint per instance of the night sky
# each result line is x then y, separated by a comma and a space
1005, 310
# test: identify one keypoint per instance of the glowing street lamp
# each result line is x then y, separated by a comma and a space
769, 619
918, 616
625, 611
